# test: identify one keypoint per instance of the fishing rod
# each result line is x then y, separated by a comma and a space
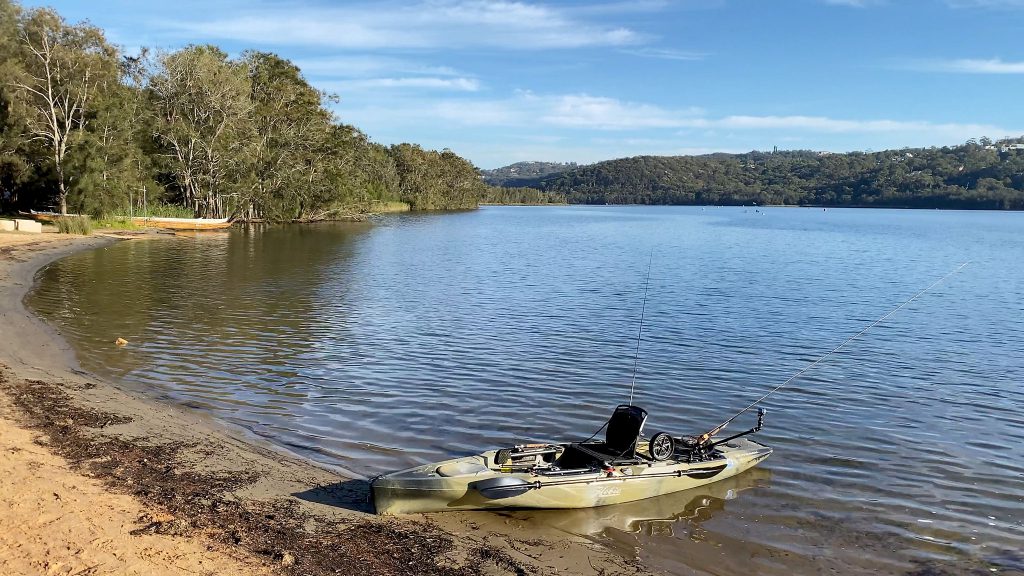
643, 308
707, 435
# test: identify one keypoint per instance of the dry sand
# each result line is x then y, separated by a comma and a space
98, 480
53, 520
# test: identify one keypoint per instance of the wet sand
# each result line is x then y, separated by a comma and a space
97, 480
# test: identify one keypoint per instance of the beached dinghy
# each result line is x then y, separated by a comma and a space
623, 468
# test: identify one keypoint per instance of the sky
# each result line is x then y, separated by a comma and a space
582, 81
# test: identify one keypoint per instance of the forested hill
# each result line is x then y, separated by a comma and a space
976, 175
524, 173
87, 128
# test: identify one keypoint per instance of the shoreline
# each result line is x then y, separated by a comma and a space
207, 482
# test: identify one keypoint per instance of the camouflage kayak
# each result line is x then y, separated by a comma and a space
623, 468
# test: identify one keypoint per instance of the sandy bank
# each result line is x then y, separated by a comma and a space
106, 482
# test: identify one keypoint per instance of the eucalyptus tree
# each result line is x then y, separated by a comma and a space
64, 66
290, 145
203, 106
431, 180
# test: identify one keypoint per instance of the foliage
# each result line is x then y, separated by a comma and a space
432, 180
74, 224
522, 174
63, 68
203, 110
970, 176
521, 195
85, 126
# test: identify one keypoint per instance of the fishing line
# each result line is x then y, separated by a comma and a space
643, 308
707, 435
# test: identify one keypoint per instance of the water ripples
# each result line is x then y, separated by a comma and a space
379, 347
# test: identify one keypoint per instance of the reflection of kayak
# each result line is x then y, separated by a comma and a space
698, 504
623, 468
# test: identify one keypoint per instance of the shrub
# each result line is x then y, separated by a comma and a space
74, 225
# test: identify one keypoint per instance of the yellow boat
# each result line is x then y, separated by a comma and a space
623, 468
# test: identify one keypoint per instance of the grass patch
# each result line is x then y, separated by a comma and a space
159, 210
74, 225
111, 222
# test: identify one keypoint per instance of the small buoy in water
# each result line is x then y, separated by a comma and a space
121, 342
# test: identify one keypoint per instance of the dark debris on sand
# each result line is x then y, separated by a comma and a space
203, 502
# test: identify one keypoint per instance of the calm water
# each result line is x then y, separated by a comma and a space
379, 347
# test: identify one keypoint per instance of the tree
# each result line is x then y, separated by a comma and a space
203, 106
12, 161
291, 128
63, 67
115, 160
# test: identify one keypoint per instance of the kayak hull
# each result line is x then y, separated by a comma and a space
477, 483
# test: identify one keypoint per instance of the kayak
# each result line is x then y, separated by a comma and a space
623, 468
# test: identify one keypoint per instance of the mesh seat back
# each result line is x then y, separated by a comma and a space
624, 428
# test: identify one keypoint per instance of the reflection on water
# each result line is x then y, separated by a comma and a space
420, 337
664, 515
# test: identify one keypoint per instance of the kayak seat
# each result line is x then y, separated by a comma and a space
622, 431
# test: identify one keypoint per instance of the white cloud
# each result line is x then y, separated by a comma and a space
667, 54
585, 112
597, 112
427, 24
852, 3
822, 124
580, 111
425, 82
362, 66
985, 3
969, 66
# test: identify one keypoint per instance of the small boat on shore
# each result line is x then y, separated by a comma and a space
147, 221
623, 468
182, 223
47, 216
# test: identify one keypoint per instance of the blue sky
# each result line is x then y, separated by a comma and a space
501, 82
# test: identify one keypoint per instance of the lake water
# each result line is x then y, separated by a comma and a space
376, 347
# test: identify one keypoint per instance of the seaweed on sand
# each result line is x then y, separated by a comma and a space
162, 476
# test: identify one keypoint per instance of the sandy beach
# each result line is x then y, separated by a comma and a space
99, 480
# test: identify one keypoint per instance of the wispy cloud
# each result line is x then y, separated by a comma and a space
426, 24
666, 54
579, 111
985, 3
596, 112
823, 124
968, 66
854, 3
357, 66
583, 113
415, 82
